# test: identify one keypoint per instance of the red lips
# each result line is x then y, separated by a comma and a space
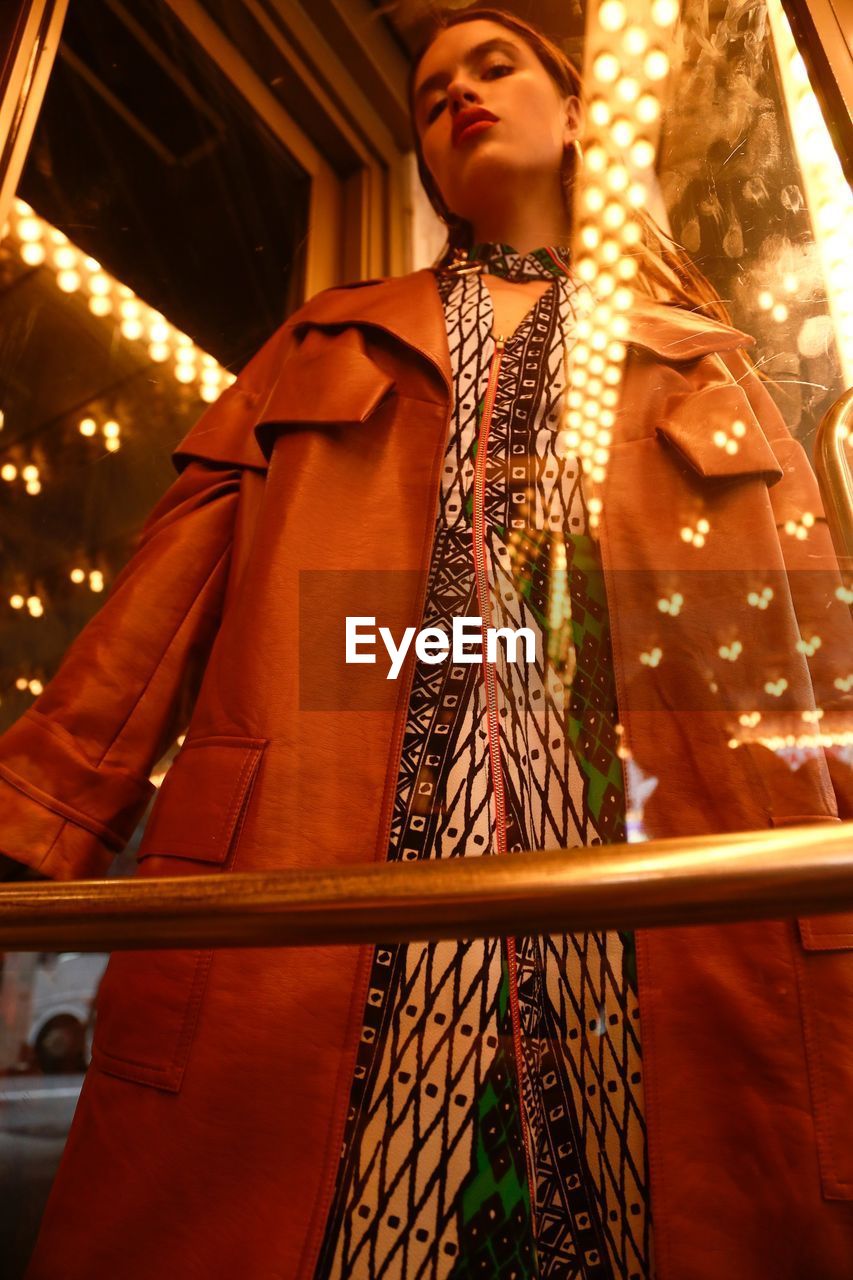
468, 116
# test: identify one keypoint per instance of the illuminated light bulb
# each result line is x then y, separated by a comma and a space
129, 308
606, 67
635, 41
612, 15
779, 312
57, 236
33, 602
159, 351
595, 158
65, 257
36, 687
605, 438
112, 444
100, 306
647, 108
610, 251
656, 64
33, 486
686, 534
614, 215
183, 340
598, 341
664, 12
111, 428
29, 229
29, 472
209, 393
642, 153
131, 329
96, 580
16, 601
158, 332
599, 112
574, 419
605, 283
185, 373
99, 283
124, 291
230, 378
185, 355
610, 396
636, 195
77, 575
33, 254
739, 428
628, 89
68, 281
596, 365
631, 232
606, 417
620, 326
212, 377
92, 264
598, 474
765, 299
21, 682
594, 199
789, 282
23, 209
600, 455
616, 351
612, 375
590, 236
36, 610
209, 362
8, 471
622, 131
623, 298
87, 427
617, 177
586, 268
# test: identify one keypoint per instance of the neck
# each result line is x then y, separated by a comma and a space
525, 220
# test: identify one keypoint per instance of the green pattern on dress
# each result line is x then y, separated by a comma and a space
496, 1228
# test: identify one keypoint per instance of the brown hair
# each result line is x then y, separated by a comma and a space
665, 270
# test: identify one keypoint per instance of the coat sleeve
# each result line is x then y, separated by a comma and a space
820, 597
74, 768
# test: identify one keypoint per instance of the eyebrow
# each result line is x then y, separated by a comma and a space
439, 78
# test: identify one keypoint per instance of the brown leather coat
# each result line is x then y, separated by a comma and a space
206, 1137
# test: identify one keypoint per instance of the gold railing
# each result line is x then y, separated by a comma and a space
773, 874
832, 465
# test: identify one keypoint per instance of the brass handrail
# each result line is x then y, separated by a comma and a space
779, 873
832, 466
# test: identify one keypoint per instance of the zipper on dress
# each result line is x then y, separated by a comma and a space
493, 725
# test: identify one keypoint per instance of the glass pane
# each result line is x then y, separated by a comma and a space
157, 240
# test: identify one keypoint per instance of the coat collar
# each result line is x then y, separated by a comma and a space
409, 308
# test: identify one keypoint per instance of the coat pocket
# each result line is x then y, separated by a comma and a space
148, 1001
824, 957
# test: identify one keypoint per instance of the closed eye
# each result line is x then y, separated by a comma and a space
487, 74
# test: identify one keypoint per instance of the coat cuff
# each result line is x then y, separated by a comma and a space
75, 836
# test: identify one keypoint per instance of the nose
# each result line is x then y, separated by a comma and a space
460, 95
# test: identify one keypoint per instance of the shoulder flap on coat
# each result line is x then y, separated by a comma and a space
276, 388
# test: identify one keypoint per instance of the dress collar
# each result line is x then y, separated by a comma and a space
504, 260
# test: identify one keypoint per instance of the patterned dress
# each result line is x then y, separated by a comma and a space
496, 1123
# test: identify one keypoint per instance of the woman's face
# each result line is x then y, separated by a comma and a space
481, 64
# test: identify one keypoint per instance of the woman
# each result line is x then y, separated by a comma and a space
490, 1107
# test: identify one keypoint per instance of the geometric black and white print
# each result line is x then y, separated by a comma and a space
448, 1109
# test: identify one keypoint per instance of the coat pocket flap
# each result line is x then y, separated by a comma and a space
827, 933
201, 799
716, 431
322, 384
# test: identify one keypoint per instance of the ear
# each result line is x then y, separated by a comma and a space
575, 118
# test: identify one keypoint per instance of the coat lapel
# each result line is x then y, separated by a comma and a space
409, 308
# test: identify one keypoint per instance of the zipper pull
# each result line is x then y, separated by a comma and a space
499, 342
